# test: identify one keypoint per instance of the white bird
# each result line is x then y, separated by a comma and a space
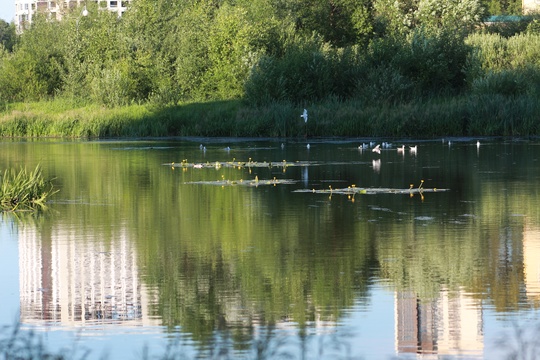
413, 149
478, 144
304, 115
308, 146
401, 149
282, 145
377, 149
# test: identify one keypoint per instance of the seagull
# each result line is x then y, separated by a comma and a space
304, 115
377, 149
308, 146
413, 149
363, 146
401, 149
478, 144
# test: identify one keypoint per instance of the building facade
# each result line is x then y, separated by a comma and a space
25, 10
530, 6
70, 279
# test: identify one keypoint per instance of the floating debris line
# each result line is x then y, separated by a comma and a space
241, 164
352, 190
255, 182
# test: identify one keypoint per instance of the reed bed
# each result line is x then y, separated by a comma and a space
24, 190
481, 113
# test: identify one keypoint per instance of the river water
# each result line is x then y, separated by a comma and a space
243, 248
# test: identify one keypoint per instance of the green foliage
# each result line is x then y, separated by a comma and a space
460, 15
8, 36
265, 52
340, 23
503, 7
309, 70
533, 27
33, 72
401, 17
509, 82
425, 64
497, 53
24, 190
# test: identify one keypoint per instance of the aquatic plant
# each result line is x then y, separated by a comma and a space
19, 343
24, 190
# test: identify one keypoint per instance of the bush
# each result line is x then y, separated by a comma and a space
509, 82
309, 70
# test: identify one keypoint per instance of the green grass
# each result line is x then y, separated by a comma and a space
471, 115
24, 190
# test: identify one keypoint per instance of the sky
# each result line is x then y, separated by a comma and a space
7, 10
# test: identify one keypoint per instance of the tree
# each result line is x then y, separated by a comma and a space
339, 22
8, 35
503, 7
33, 71
402, 16
462, 15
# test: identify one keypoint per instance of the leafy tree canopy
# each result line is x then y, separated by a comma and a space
7, 35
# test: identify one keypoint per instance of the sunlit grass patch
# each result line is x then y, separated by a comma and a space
24, 190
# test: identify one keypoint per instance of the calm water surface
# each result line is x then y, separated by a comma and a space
163, 246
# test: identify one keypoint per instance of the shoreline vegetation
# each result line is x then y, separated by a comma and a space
362, 68
24, 190
477, 115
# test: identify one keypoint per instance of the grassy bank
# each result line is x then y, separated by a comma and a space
477, 115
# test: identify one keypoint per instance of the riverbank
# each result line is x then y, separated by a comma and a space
479, 115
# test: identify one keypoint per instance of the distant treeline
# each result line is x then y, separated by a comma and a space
267, 52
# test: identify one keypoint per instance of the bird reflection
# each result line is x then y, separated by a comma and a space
305, 176
376, 165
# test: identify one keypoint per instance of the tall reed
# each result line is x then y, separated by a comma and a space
24, 190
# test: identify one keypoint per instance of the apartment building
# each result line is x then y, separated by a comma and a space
530, 6
25, 10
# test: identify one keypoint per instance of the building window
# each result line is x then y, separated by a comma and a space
113, 4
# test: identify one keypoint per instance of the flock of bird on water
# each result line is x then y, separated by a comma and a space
376, 148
